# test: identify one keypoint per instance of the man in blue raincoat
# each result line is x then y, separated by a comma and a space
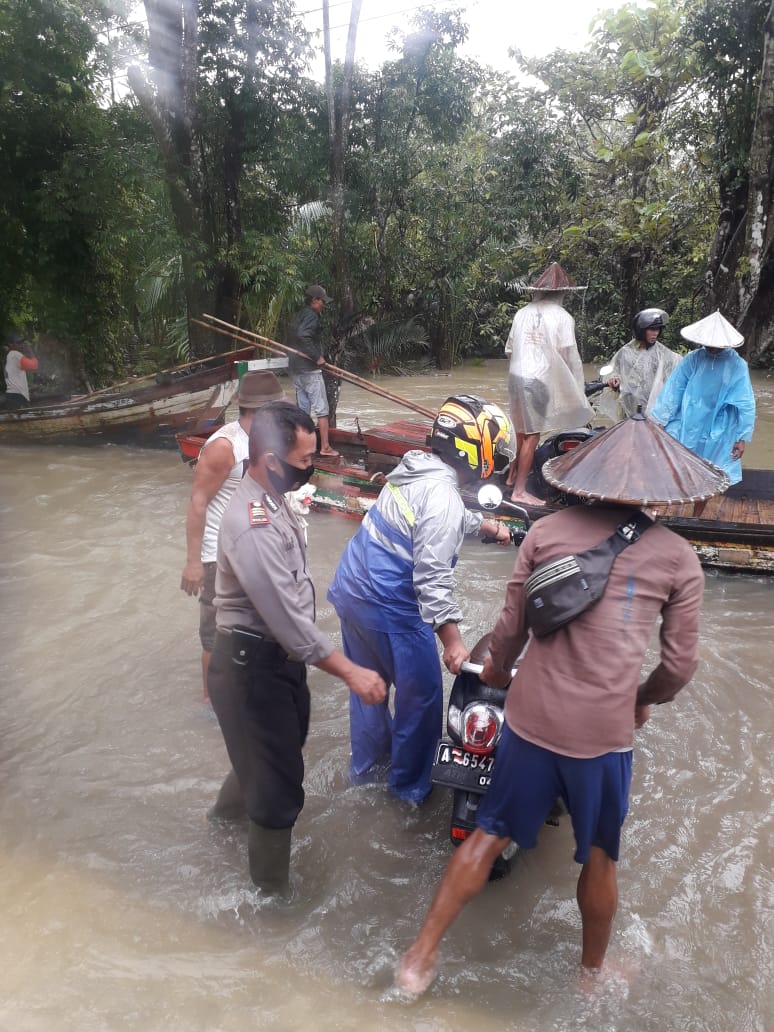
708, 402
394, 591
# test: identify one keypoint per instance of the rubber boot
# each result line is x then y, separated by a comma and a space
268, 852
230, 804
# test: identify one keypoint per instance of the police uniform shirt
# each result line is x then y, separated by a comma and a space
263, 581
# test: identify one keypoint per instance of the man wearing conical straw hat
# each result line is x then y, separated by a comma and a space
545, 376
708, 402
569, 718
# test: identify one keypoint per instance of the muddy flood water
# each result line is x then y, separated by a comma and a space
125, 909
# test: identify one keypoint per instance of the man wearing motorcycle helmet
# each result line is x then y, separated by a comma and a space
643, 365
394, 591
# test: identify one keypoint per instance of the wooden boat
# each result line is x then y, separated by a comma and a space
735, 532
149, 410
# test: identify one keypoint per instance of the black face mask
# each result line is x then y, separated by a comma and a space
291, 477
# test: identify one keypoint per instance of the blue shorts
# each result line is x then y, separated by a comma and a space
310, 392
527, 780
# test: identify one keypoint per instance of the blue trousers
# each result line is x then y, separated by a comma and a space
406, 740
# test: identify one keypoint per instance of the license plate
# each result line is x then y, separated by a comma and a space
455, 767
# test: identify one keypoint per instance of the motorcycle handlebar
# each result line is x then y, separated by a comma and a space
476, 668
471, 668
592, 387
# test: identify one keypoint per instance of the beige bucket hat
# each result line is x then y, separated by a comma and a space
714, 331
636, 462
258, 387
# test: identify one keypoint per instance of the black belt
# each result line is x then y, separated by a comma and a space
245, 646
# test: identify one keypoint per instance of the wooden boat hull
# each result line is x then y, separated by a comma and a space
735, 533
149, 412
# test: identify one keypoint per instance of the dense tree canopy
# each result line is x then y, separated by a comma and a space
223, 178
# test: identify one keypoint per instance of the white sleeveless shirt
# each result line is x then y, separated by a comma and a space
239, 441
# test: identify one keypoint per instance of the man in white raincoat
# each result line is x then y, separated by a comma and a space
545, 378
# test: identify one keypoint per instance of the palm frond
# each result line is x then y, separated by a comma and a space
307, 214
383, 345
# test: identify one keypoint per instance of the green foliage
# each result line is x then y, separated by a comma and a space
646, 208
385, 347
122, 215
58, 194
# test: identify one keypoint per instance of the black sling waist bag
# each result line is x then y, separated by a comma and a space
559, 590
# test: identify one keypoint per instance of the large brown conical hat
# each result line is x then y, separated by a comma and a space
635, 462
555, 278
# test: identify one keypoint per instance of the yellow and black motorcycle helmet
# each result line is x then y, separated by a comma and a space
471, 435
505, 440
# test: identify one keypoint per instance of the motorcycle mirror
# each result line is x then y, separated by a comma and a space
606, 370
489, 496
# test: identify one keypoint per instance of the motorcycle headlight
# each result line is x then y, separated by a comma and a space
454, 721
481, 727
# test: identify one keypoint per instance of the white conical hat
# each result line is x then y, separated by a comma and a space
714, 331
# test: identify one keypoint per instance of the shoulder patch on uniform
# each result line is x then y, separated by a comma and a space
257, 515
271, 504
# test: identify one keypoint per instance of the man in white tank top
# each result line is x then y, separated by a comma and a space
218, 472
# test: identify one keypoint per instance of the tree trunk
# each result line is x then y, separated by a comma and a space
169, 101
338, 134
742, 286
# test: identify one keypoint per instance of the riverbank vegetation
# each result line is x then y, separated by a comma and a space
174, 159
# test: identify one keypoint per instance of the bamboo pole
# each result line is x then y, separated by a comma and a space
273, 346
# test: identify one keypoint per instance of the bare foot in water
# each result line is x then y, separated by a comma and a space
415, 974
621, 972
525, 498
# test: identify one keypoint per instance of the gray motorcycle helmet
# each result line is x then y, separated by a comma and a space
649, 319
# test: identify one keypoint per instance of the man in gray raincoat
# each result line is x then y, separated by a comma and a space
643, 365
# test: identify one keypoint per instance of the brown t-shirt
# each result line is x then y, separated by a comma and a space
575, 690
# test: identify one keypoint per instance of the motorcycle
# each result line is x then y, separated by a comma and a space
474, 719
560, 444
465, 756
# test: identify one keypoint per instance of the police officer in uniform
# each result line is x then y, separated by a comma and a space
266, 634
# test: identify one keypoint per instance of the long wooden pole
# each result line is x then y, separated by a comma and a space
273, 346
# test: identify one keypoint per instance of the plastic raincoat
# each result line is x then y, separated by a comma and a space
708, 405
545, 378
643, 373
394, 584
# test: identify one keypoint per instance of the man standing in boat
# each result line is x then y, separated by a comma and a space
219, 469
266, 634
708, 402
18, 362
642, 367
545, 377
305, 334
394, 592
